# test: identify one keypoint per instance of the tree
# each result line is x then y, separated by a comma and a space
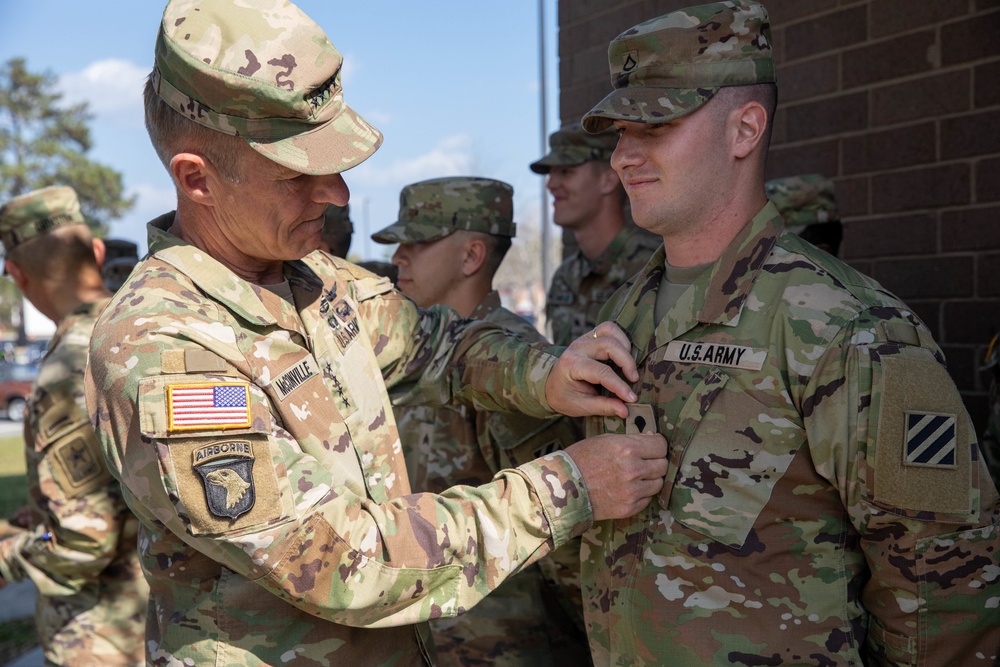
43, 142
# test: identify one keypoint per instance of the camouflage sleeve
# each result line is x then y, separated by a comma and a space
434, 357
886, 425
80, 512
314, 538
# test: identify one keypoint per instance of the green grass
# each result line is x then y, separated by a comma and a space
13, 483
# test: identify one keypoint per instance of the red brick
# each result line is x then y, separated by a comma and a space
809, 78
988, 180
835, 115
927, 97
987, 90
819, 157
942, 277
970, 229
886, 60
828, 32
894, 16
931, 187
972, 39
890, 149
852, 196
989, 276
971, 322
887, 237
971, 135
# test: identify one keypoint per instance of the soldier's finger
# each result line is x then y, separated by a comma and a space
604, 406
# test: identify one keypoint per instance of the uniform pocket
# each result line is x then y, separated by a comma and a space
728, 450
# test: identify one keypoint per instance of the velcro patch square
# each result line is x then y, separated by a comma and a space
931, 440
208, 405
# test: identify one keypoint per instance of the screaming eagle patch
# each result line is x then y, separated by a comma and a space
226, 469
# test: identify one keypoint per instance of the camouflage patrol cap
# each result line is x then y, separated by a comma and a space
803, 200
572, 145
264, 71
430, 210
29, 215
666, 68
337, 219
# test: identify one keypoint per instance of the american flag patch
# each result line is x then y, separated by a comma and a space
931, 440
214, 405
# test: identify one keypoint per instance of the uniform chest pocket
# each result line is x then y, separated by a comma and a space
728, 450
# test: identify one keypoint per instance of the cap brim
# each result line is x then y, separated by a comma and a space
641, 104
399, 232
545, 165
335, 146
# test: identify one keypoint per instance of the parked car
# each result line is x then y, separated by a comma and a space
15, 388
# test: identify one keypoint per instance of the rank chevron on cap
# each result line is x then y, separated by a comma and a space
208, 406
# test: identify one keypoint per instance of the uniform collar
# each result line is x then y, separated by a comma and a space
256, 305
489, 303
716, 298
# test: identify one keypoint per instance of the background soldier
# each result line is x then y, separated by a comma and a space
80, 549
825, 503
991, 437
809, 208
239, 383
589, 201
337, 230
120, 257
453, 235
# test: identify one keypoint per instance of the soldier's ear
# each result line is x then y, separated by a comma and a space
750, 126
473, 255
192, 174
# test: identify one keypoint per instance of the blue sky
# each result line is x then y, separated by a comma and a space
453, 86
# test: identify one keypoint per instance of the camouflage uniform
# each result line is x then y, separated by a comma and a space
81, 551
522, 622
580, 287
300, 489
808, 206
825, 502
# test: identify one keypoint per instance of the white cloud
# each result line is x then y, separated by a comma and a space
453, 156
111, 86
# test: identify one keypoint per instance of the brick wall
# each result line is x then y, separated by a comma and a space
899, 102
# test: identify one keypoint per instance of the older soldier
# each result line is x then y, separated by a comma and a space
808, 207
453, 234
825, 502
588, 200
239, 383
80, 549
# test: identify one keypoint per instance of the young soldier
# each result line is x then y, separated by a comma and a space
80, 548
453, 234
825, 502
589, 201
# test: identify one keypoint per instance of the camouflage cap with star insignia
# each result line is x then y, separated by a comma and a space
263, 71
667, 67
38, 212
430, 210
572, 145
803, 200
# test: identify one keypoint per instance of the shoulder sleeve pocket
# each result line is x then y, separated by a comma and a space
921, 446
225, 476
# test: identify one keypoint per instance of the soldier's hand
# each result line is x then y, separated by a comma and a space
622, 472
572, 385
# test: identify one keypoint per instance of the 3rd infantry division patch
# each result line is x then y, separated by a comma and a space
930, 440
